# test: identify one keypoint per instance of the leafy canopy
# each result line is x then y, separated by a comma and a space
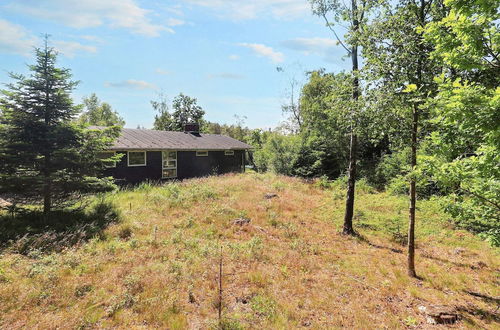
99, 113
185, 110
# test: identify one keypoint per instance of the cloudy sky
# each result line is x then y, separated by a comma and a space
223, 52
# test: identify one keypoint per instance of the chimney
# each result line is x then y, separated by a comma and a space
193, 128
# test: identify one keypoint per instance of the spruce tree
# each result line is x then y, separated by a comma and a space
44, 155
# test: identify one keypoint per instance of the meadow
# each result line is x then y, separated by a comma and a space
152, 260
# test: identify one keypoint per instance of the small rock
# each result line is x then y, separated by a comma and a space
270, 195
241, 221
440, 314
479, 265
245, 298
191, 298
4, 203
306, 323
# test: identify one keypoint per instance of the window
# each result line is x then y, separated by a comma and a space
169, 164
202, 153
229, 152
136, 158
104, 156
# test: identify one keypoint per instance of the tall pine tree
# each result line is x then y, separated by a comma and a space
44, 155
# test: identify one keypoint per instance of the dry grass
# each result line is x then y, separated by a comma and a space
289, 268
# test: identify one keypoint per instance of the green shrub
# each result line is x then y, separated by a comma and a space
363, 187
323, 182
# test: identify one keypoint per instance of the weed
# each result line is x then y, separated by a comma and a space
125, 232
273, 219
264, 306
82, 290
323, 182
411, 321
395, 227
227, 323
279, 186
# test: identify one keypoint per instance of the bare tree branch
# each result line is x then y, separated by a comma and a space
335, 33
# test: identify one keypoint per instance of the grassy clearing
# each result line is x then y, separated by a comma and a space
288, 268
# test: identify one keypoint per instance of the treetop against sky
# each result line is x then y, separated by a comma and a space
224, 53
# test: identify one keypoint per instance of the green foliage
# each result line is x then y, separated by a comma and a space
43, 153
391, 166
237, 130
278, 154
99, 113
468, 38
185, 110
465, 146
264, 306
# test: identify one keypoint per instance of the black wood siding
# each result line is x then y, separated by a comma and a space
188, 165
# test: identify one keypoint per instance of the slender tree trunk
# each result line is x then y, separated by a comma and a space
413, 196
349, 210
353, 148
414, 137
47, 197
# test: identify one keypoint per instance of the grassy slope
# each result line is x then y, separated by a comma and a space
289, 268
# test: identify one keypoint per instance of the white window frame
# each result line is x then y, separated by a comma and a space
229, 152
114, 163
163, 167
201, 153
134, 165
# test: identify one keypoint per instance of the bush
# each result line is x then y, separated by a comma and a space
278, 154
323, 182
390, 167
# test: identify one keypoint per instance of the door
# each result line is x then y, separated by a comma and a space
169, 164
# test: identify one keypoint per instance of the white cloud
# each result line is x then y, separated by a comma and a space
234, 57
70, 48
251, 9
131, 83
162, 72
226, 75
92, 38
264, 51
175, 22
325, 47
125, 14
15, 39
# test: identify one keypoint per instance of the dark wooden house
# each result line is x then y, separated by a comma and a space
161, 155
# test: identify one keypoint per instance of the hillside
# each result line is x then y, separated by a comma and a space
288, 268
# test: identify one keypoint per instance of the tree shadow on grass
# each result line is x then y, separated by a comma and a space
377, 246
483, 314
29, 230
447, 261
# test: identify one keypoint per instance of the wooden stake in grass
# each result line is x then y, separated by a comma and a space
219, 306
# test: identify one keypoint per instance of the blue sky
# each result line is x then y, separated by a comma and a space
223, 52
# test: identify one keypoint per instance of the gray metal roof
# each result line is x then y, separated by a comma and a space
148, 139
